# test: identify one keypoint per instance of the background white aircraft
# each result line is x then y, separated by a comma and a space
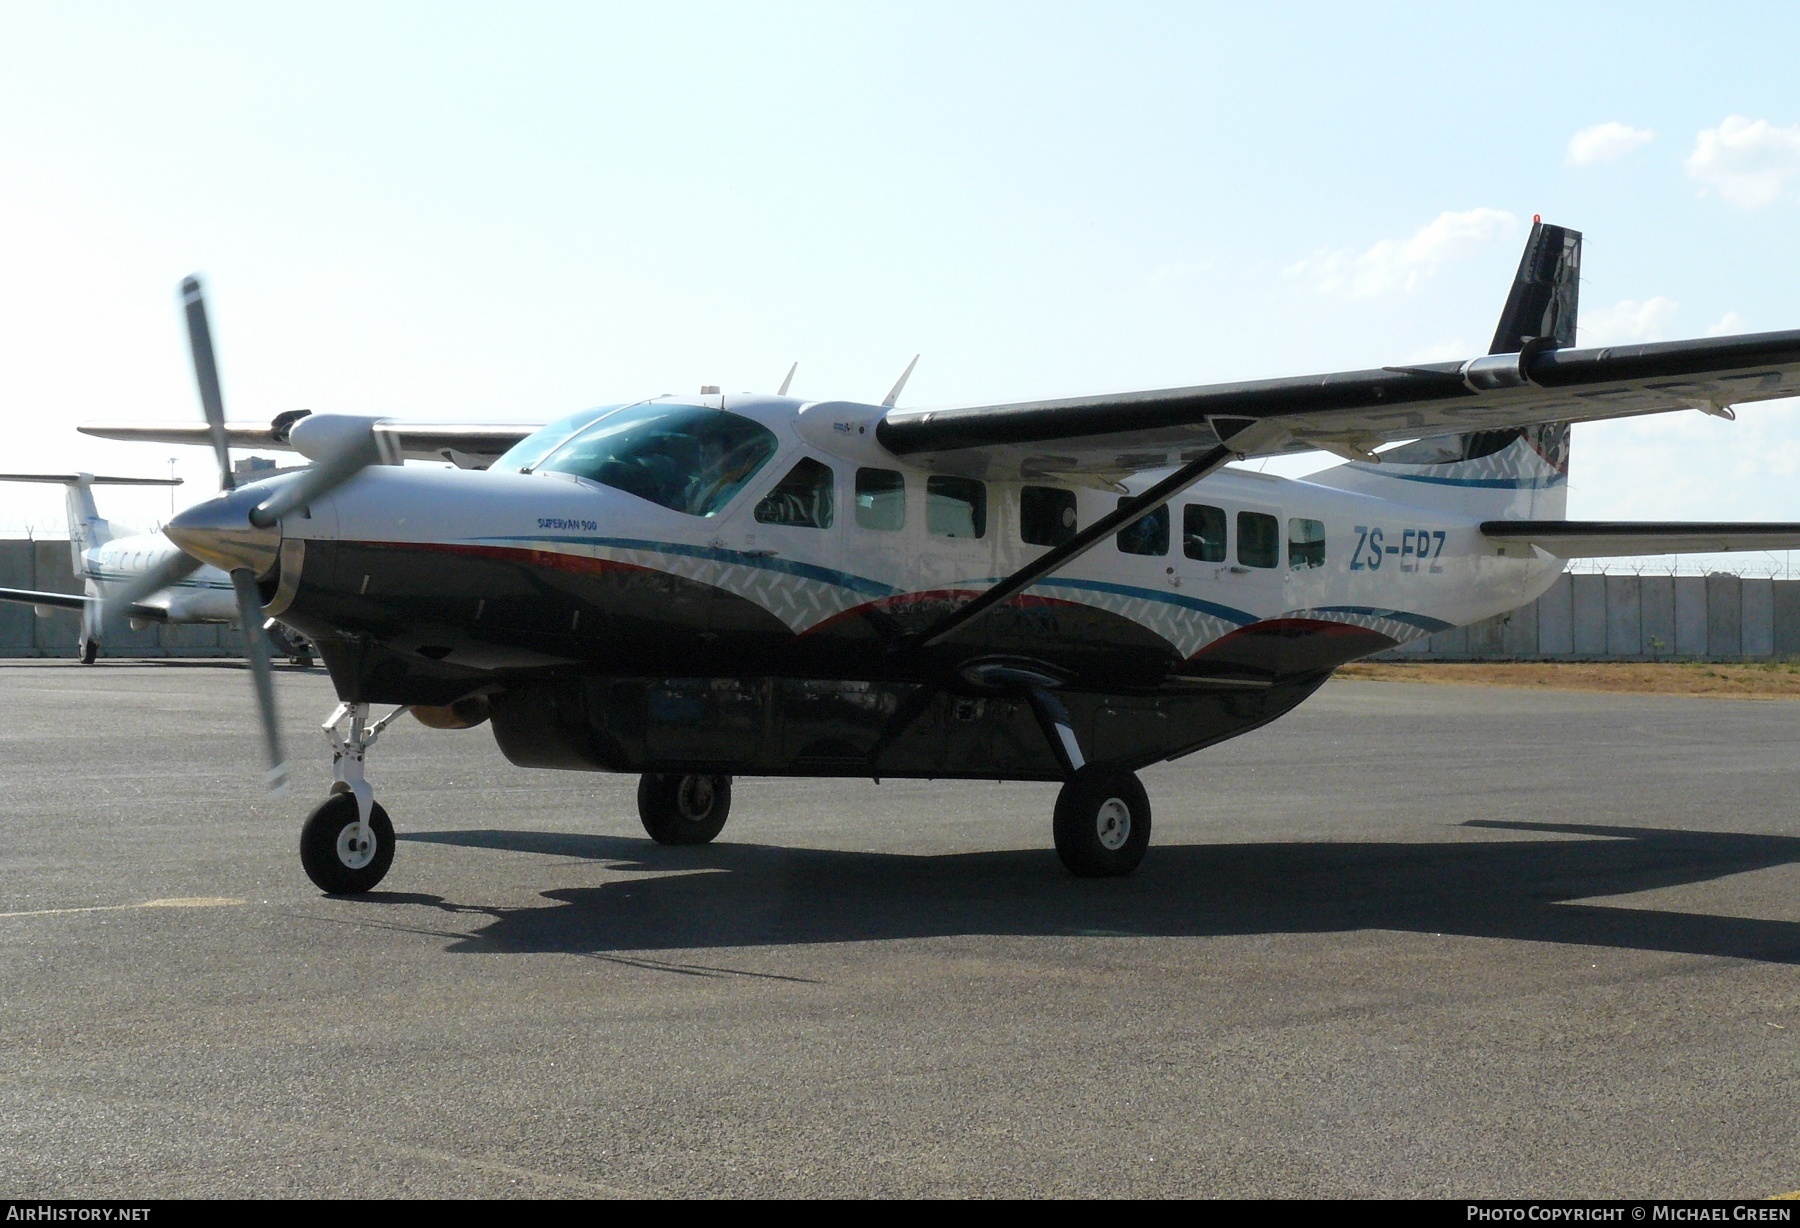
106, 563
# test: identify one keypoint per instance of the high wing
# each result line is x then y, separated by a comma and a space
1600, 539
76, 601
466, 445
1347, 412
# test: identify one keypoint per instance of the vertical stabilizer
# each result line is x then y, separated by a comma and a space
86, 528
1545, 294
1522, 473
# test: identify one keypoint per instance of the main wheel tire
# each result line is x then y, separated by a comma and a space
89, 650
683, 809
331, 857
1102, 822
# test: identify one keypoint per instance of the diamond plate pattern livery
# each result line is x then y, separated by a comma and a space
1188, 629
799, 602
803, 602
1401, 632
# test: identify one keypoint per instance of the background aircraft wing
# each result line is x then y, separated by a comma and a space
1349, 412
58, 601
76, 601
1599, 539
465, 444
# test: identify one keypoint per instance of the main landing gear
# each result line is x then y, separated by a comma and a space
347, 843
1102, 824
683, 809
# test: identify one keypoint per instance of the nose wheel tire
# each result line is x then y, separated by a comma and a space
338, 858
1102, 822
683, 809
89, 650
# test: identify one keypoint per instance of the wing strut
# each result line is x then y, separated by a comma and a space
1250, 436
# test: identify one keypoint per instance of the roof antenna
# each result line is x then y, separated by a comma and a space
894, 396
782, 391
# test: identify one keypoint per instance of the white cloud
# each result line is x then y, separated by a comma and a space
1401, 264
1747, 162
1628, 321
1605, 143
1730, 323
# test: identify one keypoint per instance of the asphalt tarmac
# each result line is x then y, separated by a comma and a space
1409, 940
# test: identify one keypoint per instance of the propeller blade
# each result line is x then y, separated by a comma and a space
206, 374
326, 475
114, 607
262, 674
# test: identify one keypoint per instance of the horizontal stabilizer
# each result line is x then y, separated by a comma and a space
75, 601
70, 479
1603, 539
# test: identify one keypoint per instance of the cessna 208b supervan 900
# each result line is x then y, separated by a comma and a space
697, 588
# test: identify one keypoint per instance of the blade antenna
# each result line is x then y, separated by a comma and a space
893, 397
782, 391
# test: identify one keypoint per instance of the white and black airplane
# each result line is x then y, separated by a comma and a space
696, 588
107, 563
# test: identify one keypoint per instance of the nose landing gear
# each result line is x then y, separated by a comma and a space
347, 843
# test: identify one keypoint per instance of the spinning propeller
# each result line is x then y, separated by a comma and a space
239, 536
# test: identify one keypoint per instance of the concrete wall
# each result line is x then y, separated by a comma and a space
45, 566
1633, 618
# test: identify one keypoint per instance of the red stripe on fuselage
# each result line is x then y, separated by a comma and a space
553, 560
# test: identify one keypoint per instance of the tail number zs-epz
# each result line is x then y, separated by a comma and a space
1415, 547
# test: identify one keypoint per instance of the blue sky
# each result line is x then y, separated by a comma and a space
507, 213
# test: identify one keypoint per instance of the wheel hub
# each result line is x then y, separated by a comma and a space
1112, 824
695, 797
355, 846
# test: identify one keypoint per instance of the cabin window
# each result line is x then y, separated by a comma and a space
683, 457
801, 500
956, 507
880, 499
1046, 515
1203, 533
1149, 535
1306, 543
1259, 540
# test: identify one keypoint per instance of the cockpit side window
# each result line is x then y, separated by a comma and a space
684, 457
802, 499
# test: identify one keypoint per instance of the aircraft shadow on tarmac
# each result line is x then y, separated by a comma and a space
738, 895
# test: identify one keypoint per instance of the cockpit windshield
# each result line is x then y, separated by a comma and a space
684, 457
537, 445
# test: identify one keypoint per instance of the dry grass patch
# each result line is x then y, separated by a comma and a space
1771, 680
